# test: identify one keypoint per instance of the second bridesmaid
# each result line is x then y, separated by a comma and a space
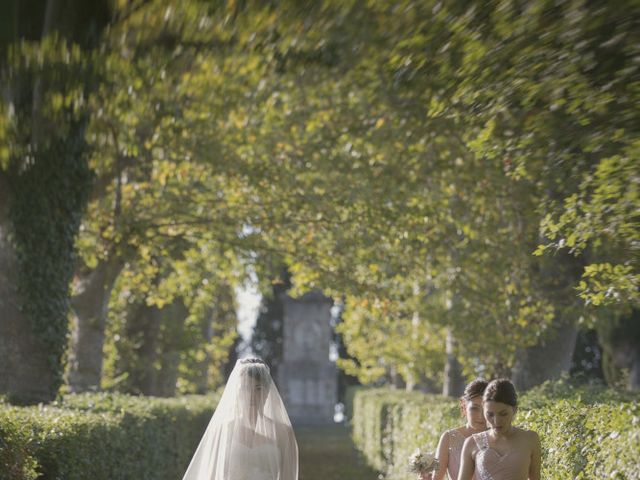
451, 442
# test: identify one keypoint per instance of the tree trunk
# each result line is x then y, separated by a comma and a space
29, 369
148, 351
552, 356
619, 337
175, 317
25, 372
168, 375
634, 373
453, 385
90, 308
203, 366
395, 379
624, 360
546, 361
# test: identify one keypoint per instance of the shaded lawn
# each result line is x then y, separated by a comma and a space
327, 453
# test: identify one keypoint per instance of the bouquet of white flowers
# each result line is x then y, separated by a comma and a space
422, 462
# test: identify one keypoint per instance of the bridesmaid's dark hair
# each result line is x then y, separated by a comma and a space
501, 390
472, 390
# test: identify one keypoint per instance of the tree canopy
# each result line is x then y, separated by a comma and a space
464, 169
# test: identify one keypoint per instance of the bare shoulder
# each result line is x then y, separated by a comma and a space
470, 440
470, 443
529, 436
452, 432
457, 430
470, 448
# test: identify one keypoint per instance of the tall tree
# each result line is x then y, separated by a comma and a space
46, 77
153, 165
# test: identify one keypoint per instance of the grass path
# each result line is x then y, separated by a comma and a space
327, 453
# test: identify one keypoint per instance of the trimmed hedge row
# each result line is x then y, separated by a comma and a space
102, 437
586, 433
389, 424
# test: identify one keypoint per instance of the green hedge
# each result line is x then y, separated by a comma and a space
102, 436
389, 424
586, 433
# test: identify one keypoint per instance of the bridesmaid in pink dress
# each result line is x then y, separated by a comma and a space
451, 441
504, 452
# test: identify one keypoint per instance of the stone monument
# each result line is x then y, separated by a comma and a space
307, 378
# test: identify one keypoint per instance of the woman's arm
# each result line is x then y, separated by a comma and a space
442, 454
468, 467
536, 461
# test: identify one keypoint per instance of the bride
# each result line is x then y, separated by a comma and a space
249, 436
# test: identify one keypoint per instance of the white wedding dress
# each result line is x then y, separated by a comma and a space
255, 463
249, 436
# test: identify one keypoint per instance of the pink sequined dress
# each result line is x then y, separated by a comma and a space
456, 442
493, 465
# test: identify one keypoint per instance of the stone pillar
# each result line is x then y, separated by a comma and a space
307, 379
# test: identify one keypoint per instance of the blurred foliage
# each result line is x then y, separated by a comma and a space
198, 332
410, 156
427, 149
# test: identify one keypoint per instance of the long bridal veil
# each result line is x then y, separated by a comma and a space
249, 436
